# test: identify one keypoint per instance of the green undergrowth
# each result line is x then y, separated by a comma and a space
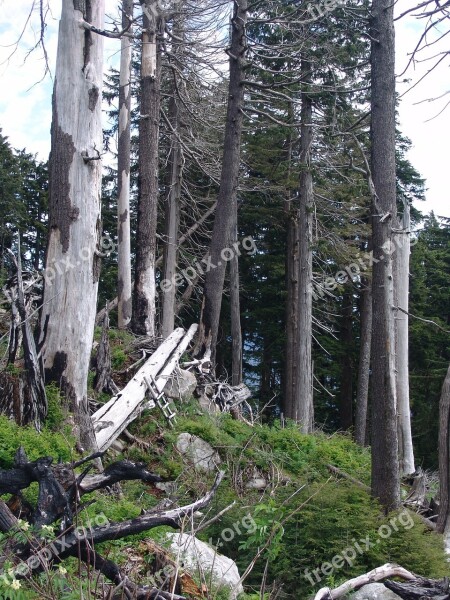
309, 515
308, 527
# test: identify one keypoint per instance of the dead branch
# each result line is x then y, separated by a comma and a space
378, 574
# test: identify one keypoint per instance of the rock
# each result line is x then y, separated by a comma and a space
374, 591
207, 404
180, 385
256, 481
198, 452
201, 559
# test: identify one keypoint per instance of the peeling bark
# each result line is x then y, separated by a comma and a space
67, 324
144, 299
123, 177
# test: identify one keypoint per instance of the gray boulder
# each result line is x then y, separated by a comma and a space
201, 560
198, 452
180, 385
257, 481
374, 591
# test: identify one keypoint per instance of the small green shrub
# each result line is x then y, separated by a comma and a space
36, 444
55, 414
118, 358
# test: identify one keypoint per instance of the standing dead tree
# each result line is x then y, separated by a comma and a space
28, 398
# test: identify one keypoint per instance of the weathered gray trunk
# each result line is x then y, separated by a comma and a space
172, 220
72, 267
385, 468
401, 263
235, 310
302, 409
362, 391
123, 183
144, 299
215, 275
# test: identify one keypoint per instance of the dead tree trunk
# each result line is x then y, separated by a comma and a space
172, 220
144, 299
123, 175
292, 270
346, 338
72, 262
302, 408
362, 392
235, 308
385, 469
444, 456
215, 271
401, 271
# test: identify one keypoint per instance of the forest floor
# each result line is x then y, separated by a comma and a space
290, 507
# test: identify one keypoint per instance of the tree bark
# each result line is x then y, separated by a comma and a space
123, 177
401, 264
144, 299
302, 409
444, 457
292, 270
385, 468
215, 275
346, 338
72, 265
362, 392
235, 307
172, 218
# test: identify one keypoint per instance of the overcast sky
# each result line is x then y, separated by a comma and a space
25, 103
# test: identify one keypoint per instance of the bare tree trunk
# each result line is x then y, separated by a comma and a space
72, 266
144, 300
292, 269
362, 392
444, 457
172, 221
385, 469
215, 275
401, 264
346, 338
302, 409
123, 168
236, 331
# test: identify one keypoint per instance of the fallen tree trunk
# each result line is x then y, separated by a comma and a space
114, 416
421, 589
378, 574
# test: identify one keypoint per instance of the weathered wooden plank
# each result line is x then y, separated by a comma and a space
175, 358
114, 416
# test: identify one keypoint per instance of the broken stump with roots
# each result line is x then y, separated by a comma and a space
59, 504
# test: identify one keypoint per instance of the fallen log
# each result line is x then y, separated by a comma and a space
421, 589
378, 574
114, 416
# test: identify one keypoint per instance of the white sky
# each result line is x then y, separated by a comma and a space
25, 101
